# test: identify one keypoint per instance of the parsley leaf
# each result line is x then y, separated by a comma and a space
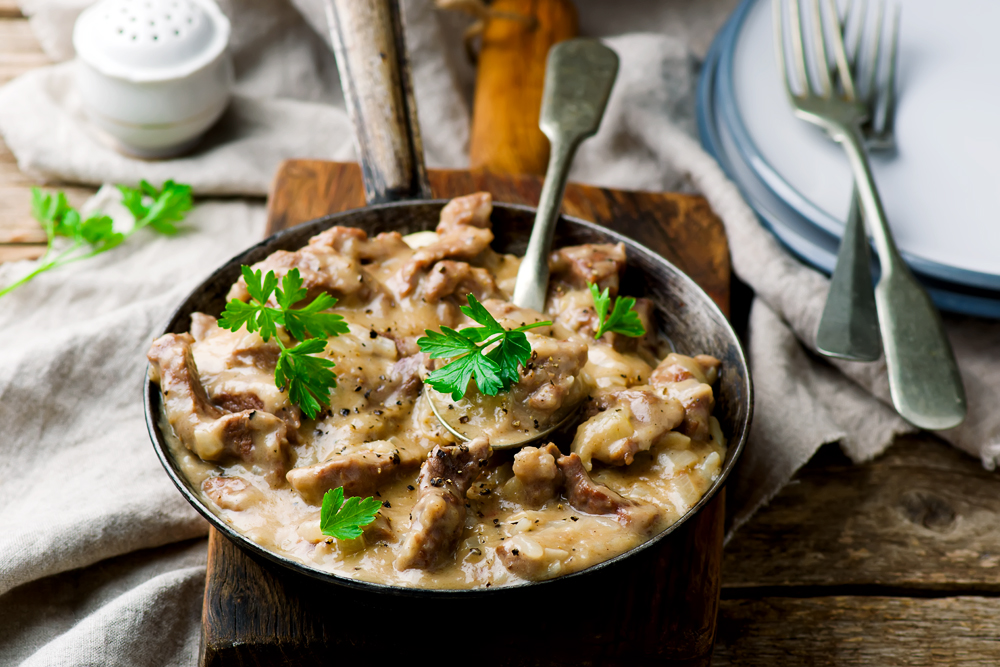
158, 209
343, 519
254, 315
308, 321
622, 319
96, 234
488, 353
307, 379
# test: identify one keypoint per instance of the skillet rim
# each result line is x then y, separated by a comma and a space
151, 404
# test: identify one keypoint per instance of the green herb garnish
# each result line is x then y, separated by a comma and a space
622, 319
343, 519
95, 234
158, 209
307, 379
488, 353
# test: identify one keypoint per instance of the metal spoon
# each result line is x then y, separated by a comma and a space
579, 75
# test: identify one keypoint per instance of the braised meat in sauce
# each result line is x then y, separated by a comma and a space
453, 514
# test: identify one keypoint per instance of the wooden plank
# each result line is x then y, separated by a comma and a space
13, 253
19, 53
505, 136
10, 10
876, 631
923, 517
19, 49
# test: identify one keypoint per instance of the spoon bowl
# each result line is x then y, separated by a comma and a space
521, 435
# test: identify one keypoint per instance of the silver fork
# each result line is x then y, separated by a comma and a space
848, 328
924, 381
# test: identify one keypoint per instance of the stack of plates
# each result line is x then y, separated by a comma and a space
941, 188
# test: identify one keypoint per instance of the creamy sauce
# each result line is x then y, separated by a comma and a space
651, 446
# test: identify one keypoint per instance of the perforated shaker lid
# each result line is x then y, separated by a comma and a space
150, 40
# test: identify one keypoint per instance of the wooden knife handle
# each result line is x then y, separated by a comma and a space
505, 135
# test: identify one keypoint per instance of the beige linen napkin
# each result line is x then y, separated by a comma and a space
79, 484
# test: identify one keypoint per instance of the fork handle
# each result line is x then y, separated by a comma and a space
848, 328
924, 379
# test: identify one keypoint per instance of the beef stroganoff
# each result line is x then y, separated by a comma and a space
453, 514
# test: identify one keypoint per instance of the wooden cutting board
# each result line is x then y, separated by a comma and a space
658, 607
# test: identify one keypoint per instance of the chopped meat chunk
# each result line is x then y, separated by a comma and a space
586, 495
510, 316
354, 243
710, 365
623, 422
540, 477
688, 380
646, 344
469, 211
231, 493
361, 469
598, 263
549, 379
238, 402
331, 263
402, 383
677, 368
438, 517
253, 436
449, 277
463, 232
378, 531
202, 325
240, 366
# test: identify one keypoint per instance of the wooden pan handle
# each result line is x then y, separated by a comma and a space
367, 38
505, 135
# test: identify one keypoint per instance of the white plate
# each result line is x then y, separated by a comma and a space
942, 189
812, 244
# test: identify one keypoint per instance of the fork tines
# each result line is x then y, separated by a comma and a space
861, 69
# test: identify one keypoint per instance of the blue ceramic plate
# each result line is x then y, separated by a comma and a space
938, 188
810, 242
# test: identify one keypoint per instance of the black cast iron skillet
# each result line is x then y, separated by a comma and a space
685, 314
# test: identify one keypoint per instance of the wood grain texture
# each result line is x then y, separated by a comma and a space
842, 631
14, 253
19, 49
921, 518
505, 136
19, 52
10, 10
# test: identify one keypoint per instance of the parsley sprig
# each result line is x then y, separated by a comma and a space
622, 319
308, 379
488, 353
158, 209
344, 519
90, 236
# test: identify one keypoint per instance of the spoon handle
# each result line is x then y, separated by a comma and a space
579, 75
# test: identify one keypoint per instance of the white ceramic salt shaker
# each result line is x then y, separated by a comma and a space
154, 75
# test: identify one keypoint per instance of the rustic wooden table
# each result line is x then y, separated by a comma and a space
895, 562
